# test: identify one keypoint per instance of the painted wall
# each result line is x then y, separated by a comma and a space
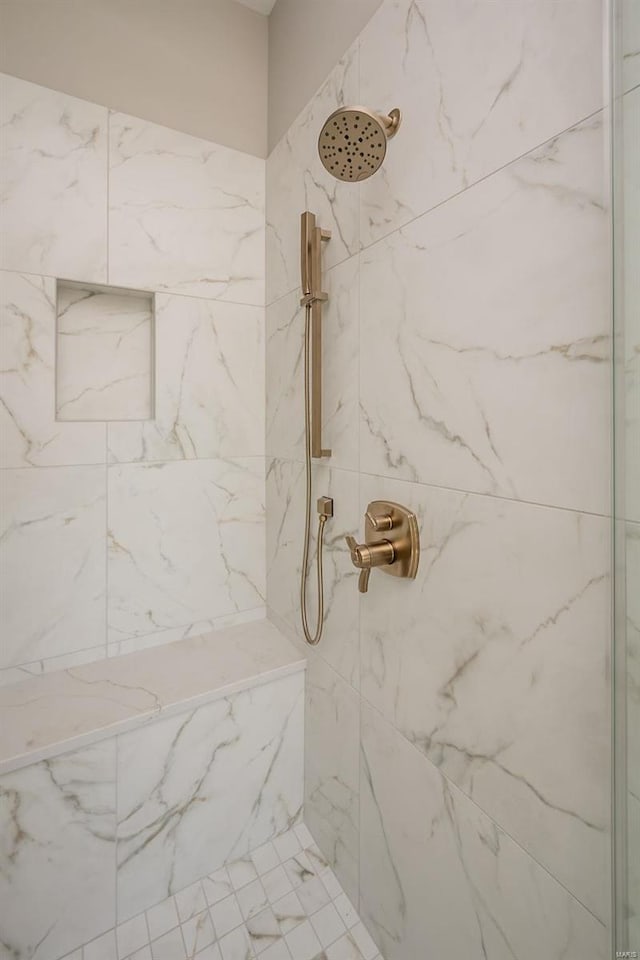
457, 727
306, 38
121, 534
176, 64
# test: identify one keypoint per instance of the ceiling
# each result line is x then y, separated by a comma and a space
261, 6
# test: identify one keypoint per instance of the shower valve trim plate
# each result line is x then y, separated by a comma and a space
392, 542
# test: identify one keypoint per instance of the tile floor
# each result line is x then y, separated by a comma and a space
281, 902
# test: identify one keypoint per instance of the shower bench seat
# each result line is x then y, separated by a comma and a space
125, 781
54, 713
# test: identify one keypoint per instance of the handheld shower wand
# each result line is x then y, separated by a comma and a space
311, 238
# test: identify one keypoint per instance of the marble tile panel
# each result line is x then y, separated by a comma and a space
465, 114
103, 366
440, 878
297, 181
186, 543
630, 44
203, 788
340, 371
174, 634
52, 562
122, 693
631, 295
57, 853
285, 531
185, 215
209, 385
38, 668
493, 663
180, 926
101, 948
31, 435
488, 379
284, 431
332, 732
632, 578
53, 183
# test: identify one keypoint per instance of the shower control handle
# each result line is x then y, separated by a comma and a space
364, 557
392, 542
379, 522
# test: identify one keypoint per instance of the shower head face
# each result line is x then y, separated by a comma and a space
353, 142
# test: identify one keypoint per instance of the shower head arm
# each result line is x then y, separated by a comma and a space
391, 122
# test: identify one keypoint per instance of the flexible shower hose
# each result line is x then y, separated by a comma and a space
311, 638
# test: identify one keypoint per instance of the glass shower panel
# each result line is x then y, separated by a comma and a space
626, 166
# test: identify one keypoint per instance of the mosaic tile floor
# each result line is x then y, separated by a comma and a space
282, 902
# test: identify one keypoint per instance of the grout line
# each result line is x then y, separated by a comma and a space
364, 701
459, 490
159, 292
230, 459
459, 193
142, 636
492, 173
458, 789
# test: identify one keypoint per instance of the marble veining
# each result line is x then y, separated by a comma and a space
57, 853
466, 114
197, 790
173, 634
332, 781
630, 45
124, 692
185, 215
52, 561
209, 377
31, 435
335, 204
285, 516
103, 365
439, 878
496, 387
53, 183
186, 543
493, 663
473, 270
279, 902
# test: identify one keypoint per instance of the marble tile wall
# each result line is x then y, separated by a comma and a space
631, 44
146, 524
105, 345
91, 838
281, 901
632, 542
467, 374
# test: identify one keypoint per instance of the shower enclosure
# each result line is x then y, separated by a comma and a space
181, 770
626, 236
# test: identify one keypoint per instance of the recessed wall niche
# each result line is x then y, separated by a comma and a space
104, 339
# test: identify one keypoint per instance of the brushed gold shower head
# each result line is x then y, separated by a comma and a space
353, 142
